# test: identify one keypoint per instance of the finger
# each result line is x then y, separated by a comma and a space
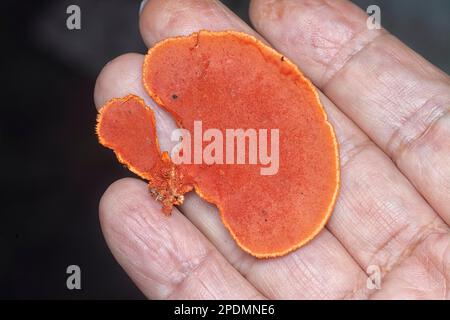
122, 76
163, 19
167, 258
334, 274
400, 100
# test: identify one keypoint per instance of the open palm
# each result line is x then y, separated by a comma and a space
390, 110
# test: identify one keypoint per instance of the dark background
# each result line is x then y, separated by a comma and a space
53, 171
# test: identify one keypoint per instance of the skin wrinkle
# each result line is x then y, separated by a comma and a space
417, 239
331, 53
392, 90
187, 266
446, 257
125, 250
445, 268
306, 277
316, 38
189, 272
359, 43
440, 171
429, 254
242, 262
356, 288
383, 98
309, 275
275, 11
413, 130
359, 286
190, 269
359, 292
138, 267
351, 151
386, 267
351, 47
205, 293
196, 275
372, 243
437, 267
320, 290
423, 248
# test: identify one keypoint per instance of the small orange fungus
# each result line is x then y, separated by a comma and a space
231, 80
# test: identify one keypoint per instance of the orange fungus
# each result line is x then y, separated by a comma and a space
256, 141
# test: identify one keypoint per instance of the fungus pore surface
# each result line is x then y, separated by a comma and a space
230, 80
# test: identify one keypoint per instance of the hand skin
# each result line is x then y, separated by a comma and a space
390, 110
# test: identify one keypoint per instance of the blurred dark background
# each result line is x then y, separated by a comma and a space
53, 171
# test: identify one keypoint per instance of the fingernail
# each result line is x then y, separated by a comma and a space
141, 7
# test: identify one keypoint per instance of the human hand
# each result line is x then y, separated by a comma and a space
389, 108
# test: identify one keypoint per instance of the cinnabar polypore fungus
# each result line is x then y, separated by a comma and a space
232, 80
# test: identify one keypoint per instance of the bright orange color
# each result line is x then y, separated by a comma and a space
127, 126
231, 80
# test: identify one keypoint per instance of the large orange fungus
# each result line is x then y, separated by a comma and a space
273, 166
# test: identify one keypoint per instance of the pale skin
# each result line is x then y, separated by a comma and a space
390, 110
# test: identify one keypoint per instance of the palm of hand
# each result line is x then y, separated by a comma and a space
389, 108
